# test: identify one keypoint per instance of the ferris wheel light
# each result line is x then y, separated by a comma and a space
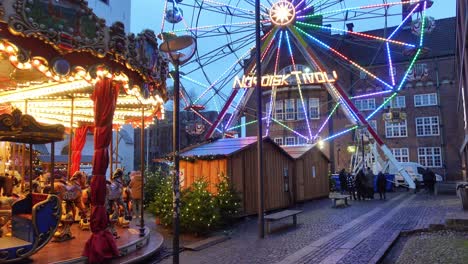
282, 13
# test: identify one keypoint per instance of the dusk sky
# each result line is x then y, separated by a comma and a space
149, 13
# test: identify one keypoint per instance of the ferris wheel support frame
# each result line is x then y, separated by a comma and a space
349, 106
247, 94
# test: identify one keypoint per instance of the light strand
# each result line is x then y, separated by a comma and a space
304, 108
290, 129
272, 97
357, 34
326, 120
357, 8
344, 57
390, 64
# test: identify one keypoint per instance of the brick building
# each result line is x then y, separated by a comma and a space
462, 77
159, 136
428, 135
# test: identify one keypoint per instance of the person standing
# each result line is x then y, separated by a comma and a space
351, 186
431, 178
360, 184
136, 183
381, 184
343, 181
370, 183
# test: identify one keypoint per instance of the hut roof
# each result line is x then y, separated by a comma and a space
225, 147
298, 151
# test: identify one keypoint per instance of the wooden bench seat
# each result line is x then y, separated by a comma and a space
280, 215
336, 197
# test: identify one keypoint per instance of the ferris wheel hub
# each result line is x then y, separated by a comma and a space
282, 13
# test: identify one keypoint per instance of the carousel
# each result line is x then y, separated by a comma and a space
63, 72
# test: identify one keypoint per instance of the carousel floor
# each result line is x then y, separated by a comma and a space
70, 251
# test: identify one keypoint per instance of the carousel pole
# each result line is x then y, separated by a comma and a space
23, 170
142, 166
117, 148
71, 138
111, 152
52, 166
23, 165
30, 167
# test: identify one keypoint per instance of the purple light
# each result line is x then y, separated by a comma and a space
390, 65
370, 94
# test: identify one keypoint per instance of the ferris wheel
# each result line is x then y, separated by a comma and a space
299, 46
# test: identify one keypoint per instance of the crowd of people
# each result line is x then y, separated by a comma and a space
361, 185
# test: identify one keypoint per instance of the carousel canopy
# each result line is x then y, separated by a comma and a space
50, 61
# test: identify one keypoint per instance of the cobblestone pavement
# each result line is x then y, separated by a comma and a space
324, 234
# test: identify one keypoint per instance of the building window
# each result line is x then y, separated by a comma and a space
430, 157
290, 109
365, 104
427, 126
301, 141
401, 154
396, 129
314, 109
300, 109
290, 141
279, 141
279, 110
425, 99
397, 102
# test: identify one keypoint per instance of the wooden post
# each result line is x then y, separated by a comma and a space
52, 166
111, 154
30, 167
117, 148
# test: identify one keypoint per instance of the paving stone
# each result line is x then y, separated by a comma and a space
318, 221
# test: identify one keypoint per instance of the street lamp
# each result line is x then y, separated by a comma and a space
179, 49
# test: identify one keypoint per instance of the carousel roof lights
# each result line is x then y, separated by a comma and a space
37, 92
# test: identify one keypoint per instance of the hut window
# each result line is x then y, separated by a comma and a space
290, 141
279, 141
279, 110
313, 172
314, 110
286, 179
290, 109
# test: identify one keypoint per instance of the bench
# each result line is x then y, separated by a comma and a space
280, 215
336, 197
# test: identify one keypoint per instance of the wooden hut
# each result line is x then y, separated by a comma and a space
311, 167
237, 159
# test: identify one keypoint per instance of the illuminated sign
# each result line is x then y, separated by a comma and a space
299, 77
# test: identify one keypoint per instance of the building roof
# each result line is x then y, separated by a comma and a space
41, 148
225, 147
298, 151
440, 42
64, 158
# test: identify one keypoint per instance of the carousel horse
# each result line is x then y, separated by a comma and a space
127, 199
85, 224
70, 192
115, 202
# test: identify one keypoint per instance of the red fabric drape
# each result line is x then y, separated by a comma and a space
77, 146
101, 245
